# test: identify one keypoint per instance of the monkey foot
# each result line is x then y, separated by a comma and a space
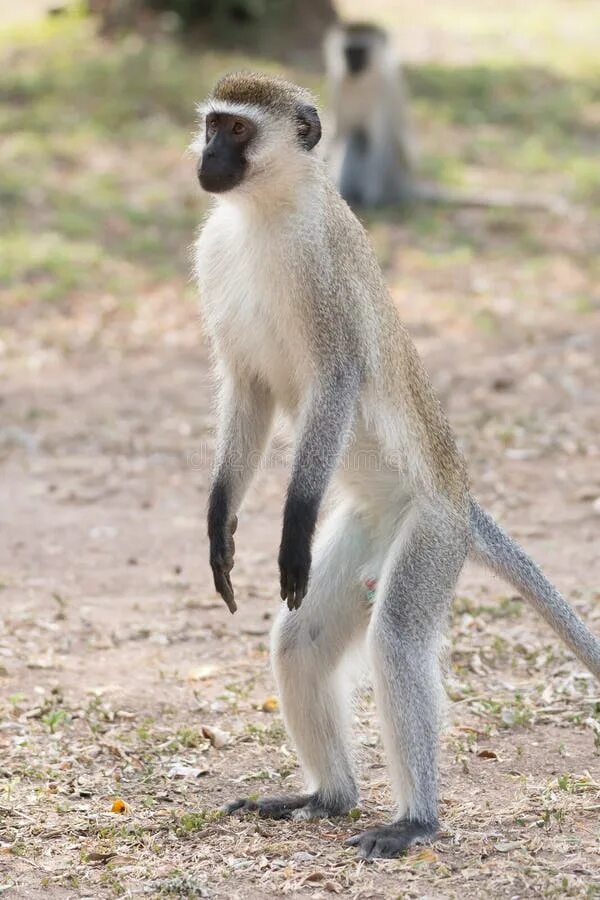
295, 806
387, 841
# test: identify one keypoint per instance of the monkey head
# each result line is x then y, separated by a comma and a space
354, 49
253, 127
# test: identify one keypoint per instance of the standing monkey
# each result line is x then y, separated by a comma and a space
301, 321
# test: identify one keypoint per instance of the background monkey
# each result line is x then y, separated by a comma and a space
371, 154
301, 321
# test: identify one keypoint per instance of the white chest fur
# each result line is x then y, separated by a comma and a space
248, 305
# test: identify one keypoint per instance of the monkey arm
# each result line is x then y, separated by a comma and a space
323, 431
245, 418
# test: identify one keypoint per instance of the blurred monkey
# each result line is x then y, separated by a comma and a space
371, 155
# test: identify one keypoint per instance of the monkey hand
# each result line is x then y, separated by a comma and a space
294, 568
222, 549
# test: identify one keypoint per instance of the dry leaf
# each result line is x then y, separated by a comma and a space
317, 875
97, 856
425, 854
468, 729
120, 806
199, 673
217, 737
180, 771
487, 754
507, 846
270, 705
115, 859
41, 662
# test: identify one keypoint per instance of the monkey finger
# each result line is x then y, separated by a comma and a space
291, 593
301, 588
228, 596
240, 805
224, 587
283, 585
231, 604
233, 525
354, 840
290, 602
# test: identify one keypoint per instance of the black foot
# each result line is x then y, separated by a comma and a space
388, 841
295, 806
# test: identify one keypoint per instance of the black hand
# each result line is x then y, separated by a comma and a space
222, 550
299, 521
294, 569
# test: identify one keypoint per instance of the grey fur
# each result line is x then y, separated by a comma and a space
245, 417
301, 321
370, 153
309, 648
323, 429
410, 615
499, 552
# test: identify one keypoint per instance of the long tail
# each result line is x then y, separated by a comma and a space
498, 552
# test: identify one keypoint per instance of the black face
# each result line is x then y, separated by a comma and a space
224, 162
357, 57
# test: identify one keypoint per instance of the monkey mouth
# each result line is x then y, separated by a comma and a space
217, 175
218, 182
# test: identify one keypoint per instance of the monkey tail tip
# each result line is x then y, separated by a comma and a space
492, 547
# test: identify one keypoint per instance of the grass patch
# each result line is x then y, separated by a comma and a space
97, 191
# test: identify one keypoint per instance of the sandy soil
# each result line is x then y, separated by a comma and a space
115, 652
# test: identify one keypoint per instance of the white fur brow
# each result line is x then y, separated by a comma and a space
249, 110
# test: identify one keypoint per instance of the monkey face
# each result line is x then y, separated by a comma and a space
238, 148
357, 57
224, 159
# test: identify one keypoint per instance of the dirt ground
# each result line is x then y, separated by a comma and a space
116, 652
133, 705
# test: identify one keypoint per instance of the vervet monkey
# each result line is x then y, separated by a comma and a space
371, 152
300, 321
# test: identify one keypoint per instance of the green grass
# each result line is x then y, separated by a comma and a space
97, 192
528, 119
98, 196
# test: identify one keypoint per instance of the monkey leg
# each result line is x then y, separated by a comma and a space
310, 651
404, 637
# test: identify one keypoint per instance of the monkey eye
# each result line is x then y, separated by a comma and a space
211, 126
238, 128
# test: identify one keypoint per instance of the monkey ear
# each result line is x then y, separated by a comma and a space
309, 127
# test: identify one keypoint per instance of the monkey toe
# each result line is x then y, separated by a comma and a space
300, 807
389, 841
269, 807
317, 808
